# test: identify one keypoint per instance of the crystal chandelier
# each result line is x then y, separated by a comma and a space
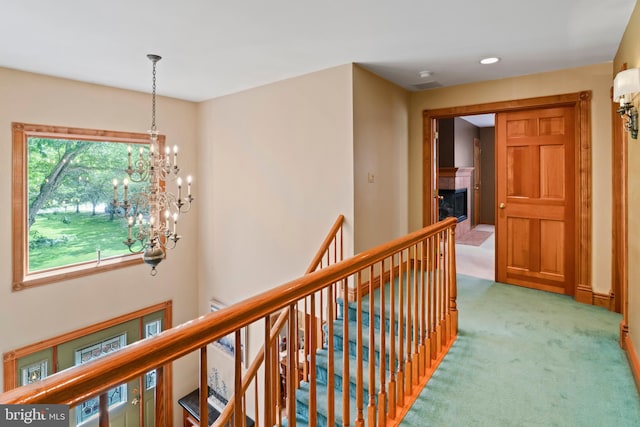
152, 214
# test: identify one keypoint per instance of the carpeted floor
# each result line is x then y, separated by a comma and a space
529, 358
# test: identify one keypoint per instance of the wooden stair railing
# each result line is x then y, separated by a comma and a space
330, 252
420, 271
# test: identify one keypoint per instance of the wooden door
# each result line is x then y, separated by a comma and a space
477, 182
535, 175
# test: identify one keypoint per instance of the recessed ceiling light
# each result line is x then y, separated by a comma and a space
425, 73
490, 60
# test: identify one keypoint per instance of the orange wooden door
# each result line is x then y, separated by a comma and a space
535, 175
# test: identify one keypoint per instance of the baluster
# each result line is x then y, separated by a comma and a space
277, 385
359, 386
453, 280
440, 298
382, 394
346, 413
371, 415
429, 307
255, 405
423, 303
204, 390
312, 362
268, 379
401, 324
445, 289
330, 360
103, 420
292, 365
416, 318
161, 416
408, 378
392, 339
436, 298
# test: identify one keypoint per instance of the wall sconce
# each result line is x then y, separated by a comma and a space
625, 84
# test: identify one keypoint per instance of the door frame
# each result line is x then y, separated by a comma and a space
581, 102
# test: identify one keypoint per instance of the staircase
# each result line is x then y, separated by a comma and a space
303, 415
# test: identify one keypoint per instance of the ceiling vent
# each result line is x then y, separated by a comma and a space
427, 85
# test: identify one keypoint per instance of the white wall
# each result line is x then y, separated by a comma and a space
381, 120
43, 312
597, 78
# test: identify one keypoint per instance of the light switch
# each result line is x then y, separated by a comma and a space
371, 177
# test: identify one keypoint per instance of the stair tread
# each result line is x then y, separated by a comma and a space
322, 403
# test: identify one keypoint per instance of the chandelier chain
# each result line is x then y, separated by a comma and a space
153, 99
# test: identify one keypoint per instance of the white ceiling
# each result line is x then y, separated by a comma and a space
214, 47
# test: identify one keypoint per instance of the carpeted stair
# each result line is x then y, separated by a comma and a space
302, 395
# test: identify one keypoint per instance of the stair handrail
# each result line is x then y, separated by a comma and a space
77, 384
278, 325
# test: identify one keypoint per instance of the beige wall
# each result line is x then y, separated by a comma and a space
596, 78
380, 143
629, 52
276, 167
46, 311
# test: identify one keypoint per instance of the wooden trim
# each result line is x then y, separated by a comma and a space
70, 336
603, 300
634, 362
22, 279
581, 101
11, 357
584, 295
620, 194
583, 192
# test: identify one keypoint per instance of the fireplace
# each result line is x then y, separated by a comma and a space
453, 203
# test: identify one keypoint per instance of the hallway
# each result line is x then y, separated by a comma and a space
477, 261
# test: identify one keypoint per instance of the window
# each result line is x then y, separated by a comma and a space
151, 329
34, 372
64, 222
116, 395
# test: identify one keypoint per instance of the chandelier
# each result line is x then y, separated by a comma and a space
152, 213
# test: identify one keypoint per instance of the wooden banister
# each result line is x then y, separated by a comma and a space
415, 328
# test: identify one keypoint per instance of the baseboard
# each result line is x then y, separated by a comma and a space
603, 300
632, 356
584, 294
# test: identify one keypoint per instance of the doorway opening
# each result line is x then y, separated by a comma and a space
580, 221
466, 187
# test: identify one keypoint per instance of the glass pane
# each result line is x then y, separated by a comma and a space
71, 219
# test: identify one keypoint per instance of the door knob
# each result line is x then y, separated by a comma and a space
502, 206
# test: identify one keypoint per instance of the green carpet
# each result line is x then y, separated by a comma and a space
529, 358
